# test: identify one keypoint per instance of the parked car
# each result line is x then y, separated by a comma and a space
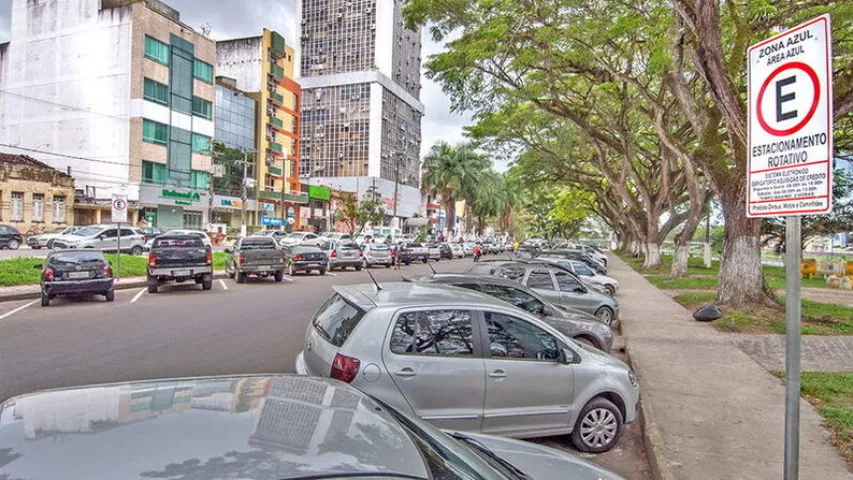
575, 255
538, 381
555, 284
45, 240
179, 258
457, 250
608, 284
255, 256
376, 254
412, 252
76, 272
594, 254
445, 251
468, 249
10, 237
300, 238
305, 258
104, 238
277, 235
580, 326
434, 251
335, 236
251, 427
342, 254
205, 238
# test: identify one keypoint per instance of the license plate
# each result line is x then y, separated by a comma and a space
78, 275
180, 273
313, 264
263, 269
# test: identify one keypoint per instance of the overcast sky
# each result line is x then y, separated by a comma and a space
243, 18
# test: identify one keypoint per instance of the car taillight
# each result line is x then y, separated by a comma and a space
334, 254
240, 258
345, 368
108, 271
410, 251
152, 259
209, 257
297, 257
48, 275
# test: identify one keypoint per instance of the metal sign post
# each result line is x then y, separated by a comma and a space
119, 216
790, 168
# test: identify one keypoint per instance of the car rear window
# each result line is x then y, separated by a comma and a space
336, 320
258, 243
414, 245
306, 250
178, 242
77, 257
348, 246
379, 247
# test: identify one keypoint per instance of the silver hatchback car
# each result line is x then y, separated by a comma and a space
466, 361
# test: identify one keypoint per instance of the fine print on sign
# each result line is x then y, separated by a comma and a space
119, 208
790, 122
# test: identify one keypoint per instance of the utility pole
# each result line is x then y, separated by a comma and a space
397, 186
244, 194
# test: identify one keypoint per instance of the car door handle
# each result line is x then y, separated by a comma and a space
406, 373
498, 374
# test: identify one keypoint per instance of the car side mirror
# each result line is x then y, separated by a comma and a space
38, 266
229, 250
569, 356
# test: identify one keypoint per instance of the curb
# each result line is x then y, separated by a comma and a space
119, 286
652, 438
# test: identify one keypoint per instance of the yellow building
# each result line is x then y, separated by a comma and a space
33, 195
263, 68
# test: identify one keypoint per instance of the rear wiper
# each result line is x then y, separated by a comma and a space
492, 455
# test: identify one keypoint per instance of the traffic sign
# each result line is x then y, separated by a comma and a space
119, 208
790, 122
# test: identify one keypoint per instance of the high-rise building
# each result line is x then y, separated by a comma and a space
121, 93
263, 66
361, 113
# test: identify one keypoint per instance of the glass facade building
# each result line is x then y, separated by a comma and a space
235, 118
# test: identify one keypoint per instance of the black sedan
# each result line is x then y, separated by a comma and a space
76, 272
446, 252
304, 258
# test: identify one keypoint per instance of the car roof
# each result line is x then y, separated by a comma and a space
212, 427
408, 294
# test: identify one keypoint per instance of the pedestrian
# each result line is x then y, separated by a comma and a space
395, 256
477, 253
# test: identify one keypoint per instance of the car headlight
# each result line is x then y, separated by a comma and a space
633, 378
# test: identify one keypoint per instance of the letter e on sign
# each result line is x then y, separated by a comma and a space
789, 164
119, 208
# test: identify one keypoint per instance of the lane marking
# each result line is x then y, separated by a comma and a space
332, 274
9, 314
222, 282
138, 294
287, 279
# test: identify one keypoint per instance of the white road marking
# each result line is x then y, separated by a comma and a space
138, 294
222, 282
287, 279
332, 274
9, 314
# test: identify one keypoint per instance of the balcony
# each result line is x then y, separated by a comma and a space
277, 72
275, 147
275, 171
277, 99
276, 122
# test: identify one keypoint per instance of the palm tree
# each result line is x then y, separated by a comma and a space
452, 172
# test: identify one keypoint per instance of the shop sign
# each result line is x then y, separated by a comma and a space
317, 192
180, 198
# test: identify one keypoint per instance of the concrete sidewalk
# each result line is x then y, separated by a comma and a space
709, 410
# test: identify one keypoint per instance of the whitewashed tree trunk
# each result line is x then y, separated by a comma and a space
635, 248
652, 255
741, 274
679, 263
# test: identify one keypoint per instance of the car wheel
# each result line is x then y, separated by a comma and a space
45, 300
136, 251
153, 285
598, 427
364, 263
424, 260
36, 247
279, 276
241, 277
605, 315
610, 290
50, 244
322, 271
207, 282
290, 270
358, 268
13, 244
387, 265
110, 295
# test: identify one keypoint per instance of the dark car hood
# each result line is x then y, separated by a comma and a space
543, 463
260, 427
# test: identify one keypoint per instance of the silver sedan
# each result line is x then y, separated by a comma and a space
466, 361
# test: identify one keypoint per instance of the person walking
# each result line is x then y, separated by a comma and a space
477, 253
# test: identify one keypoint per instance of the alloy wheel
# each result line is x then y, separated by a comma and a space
605, 315
598, 428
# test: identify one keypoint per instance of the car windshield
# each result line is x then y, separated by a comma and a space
297, 235
306, 250
77, 257
258, 243
348, 246
89, 232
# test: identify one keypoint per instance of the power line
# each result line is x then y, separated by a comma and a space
44, 152
62, 105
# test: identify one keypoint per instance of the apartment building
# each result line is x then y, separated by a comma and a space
361, 113
263, 67
121, 93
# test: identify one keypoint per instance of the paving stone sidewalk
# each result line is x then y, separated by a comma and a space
819, 353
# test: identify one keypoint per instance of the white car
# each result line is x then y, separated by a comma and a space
468, 249
595, 254
301, 238
335, 237
205, 238
46, 240
610, 285
458, 251
104, 238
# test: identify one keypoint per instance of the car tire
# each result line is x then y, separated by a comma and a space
153, 285
50, 244
13, 244
387, 265
598, 427
241, 277
290, 270
322, 271
358, 268
605, 315
279, 276
45, 300
110, 295
610, 290
35, 247
229, 273
136, 251
364, 263
207, 282
424, 260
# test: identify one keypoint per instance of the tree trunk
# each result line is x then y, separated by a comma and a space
450, 208
679, 262
742, 280
652, 255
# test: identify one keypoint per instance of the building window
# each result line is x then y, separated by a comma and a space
17, 207
38, 207
153, 173
154, 132
201, 144
58, 209
156, 50
199, 179
192, 220
202, 108
269, 182
203, 71
156, 92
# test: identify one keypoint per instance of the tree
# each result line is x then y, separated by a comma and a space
452, 172
358, 215
231, 160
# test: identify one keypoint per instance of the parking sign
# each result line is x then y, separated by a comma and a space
119, 208
790, 122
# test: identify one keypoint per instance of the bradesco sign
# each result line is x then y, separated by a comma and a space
790, 122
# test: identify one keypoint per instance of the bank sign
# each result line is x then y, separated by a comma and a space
179, 197
790, 122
